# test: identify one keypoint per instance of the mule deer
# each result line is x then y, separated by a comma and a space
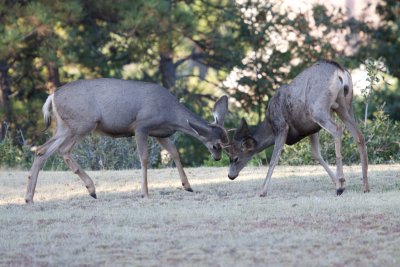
121, 108
298, 110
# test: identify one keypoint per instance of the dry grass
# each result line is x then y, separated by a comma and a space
224, 223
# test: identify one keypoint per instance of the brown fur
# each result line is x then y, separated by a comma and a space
298, 110
123, 108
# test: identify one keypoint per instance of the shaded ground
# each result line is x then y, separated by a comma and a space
224, 223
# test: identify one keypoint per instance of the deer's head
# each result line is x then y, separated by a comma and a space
241, 149
213, 135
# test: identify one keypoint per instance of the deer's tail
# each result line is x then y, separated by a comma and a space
47, 111
347, 86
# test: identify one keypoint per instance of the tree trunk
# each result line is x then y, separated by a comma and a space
5, 92
53, 77
166, 51
167, 70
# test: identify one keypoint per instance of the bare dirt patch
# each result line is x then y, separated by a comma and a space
301, 223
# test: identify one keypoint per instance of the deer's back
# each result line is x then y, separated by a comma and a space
315, 89
113, 106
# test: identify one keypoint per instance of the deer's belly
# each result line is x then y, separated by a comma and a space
127, 131
161, 133
297, 134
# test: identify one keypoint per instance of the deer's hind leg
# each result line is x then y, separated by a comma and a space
347, 117
325, 121
65, 152
42, 154
171, 148
316, 152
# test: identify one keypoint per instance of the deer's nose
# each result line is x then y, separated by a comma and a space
217, 158
232, 177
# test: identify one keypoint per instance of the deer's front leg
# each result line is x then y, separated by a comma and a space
280, 141
141, 141
167, 144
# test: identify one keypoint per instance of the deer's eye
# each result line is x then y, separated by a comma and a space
236, 159
215, 147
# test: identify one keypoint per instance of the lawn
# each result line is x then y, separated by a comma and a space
223, 223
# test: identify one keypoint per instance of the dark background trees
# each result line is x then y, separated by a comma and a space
197, 49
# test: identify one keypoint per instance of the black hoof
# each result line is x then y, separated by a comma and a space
93, 195
189, 189
339, 191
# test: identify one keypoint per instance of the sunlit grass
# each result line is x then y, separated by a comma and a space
301, 223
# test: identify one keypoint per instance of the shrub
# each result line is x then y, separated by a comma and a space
93, 153
97, 152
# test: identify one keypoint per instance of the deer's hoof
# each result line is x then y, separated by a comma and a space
366, 191
189, 189
28, 201
262, 194
339, 191
93, 195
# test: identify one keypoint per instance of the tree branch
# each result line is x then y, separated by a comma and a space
199, 77
193, 56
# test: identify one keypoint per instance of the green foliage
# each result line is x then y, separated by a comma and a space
10, 155
97, 152
210, 162
277, 38
383, 41
190, 47
374, 70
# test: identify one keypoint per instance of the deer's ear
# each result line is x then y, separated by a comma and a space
220, 110
242, 131
249, 144
198, 129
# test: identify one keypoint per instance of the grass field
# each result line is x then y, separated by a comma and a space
223, 223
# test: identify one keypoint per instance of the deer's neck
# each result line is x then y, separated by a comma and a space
184, 116
264, 136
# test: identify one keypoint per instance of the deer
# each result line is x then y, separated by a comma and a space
301, 109
123, 108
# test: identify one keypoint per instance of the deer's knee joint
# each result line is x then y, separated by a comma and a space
40, 151
144, 161
341, 181
174, 154
74, 167
339, 131
360, 140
